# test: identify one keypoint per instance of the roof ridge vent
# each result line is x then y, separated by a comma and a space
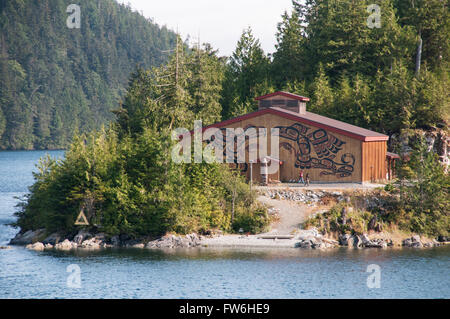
285, 100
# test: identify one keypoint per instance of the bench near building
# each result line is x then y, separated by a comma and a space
329, 150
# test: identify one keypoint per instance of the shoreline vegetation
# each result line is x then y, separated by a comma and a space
323, 228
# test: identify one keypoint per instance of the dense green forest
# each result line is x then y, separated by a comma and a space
55, 81
391, 79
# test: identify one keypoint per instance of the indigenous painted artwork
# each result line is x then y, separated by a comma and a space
250, 139
316, 149
312, 149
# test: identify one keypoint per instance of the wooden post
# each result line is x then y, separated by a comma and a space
264, 171
251, 175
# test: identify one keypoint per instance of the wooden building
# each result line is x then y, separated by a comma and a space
329, 150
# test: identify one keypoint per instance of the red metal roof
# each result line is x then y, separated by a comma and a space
285, 94
314, 120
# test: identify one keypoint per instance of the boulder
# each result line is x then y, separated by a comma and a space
193, 240
330, 241
304, 244
66, 245
81, 236
133, 243
91, 243
316, 243
28, 237
382, 244
163, 242
52, 239
414, 241
115, 241
308, 233
5, 247
343, 239
376, 243
443, 239
96, 242
124, 238
355, 241
365, 241
36, 246
436, 243
173, 241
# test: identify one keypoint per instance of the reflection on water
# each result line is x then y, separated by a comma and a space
207, 272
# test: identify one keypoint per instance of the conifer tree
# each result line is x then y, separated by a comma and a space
289, 62
246, 76
323, 98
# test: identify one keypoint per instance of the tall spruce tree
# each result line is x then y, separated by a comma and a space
246, 76
205, 86
289, 63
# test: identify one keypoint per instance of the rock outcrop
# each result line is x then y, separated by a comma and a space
36, 246
360, 241
81, 237
86, 240
173, 241
437, 141
314, 240
28, 237
66, 245
52, 239
414, 241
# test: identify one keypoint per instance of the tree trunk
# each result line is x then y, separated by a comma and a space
232, 208
419, 54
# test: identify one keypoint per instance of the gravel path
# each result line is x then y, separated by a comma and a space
291, 214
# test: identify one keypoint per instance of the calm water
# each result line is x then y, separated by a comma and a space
206, 273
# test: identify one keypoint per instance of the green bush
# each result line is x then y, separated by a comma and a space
254, 220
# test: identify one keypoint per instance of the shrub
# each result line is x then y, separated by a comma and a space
254, 220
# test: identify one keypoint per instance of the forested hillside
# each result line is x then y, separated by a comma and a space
389, 77
55, 81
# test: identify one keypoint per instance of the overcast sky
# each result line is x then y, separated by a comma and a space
219, 22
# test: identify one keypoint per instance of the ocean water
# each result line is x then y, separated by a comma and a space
206, 272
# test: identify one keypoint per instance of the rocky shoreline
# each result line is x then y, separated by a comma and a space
86, 240
305, 239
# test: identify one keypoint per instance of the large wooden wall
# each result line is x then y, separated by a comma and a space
374, 161
289, 170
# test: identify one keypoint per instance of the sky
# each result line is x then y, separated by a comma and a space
219, 22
